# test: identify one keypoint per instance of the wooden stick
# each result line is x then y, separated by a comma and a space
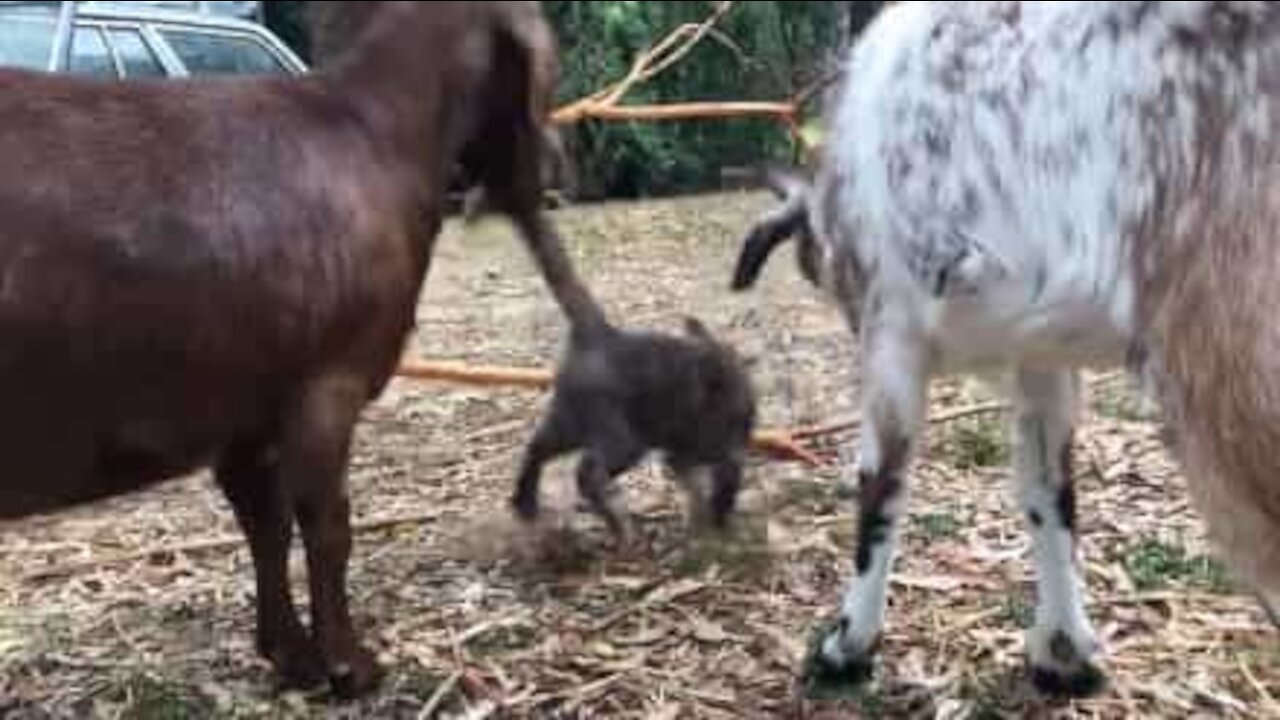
782, 445
483, 375
777, 444
943, 417
938, 419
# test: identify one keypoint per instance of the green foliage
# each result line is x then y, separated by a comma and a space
286, 19
761, 51
938, 525
1154, 564
972, 444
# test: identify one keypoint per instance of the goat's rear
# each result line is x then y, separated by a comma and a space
1215, 338
1209, 266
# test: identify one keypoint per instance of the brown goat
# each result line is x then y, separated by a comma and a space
223, 273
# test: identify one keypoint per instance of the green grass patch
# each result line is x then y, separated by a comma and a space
980, 442
1154, 564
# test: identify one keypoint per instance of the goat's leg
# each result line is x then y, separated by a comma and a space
895, 377
551, 440
692, 478
313, 461
251, 484
1061, 645
711, 489
726, 482
612, 453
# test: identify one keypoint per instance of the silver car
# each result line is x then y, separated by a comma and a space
141, 40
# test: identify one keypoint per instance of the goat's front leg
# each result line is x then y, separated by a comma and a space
1061, 645
252, 486
553, 438
313, 464
894, 381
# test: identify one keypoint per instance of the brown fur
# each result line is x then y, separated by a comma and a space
1210, 265
224, 273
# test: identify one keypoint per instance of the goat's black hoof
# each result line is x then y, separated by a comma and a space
298, 664
357, 678
1087, 680
524, 509
301, 676
822, 678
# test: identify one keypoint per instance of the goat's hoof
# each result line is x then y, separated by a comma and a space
525, 510
301, 672
298, 664
823, 678
1065, 668
356, 678
1084, 681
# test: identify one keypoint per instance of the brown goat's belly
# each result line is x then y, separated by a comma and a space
48, 479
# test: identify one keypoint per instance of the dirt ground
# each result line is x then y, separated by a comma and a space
476, 619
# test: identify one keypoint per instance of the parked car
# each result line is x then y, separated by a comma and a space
139, 40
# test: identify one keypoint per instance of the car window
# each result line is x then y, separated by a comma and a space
90, 54
26, 39
206, 54
135, 55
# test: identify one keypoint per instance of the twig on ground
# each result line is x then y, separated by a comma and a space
220, 542
438, 697
937, 419
479, 629
660, 595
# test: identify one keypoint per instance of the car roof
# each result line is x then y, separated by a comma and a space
132, 11
147, 12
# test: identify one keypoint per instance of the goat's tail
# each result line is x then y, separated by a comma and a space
586, 317
780, 223
1215, 342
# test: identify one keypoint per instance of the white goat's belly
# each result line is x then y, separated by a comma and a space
972, 336
1074, 309
988, 165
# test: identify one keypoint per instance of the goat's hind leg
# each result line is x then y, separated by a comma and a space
1061, 645
711, 489
895, 377
313, 465
251, 483
612, 452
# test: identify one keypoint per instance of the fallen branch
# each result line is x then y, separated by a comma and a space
476, 374
645, 67
661, 595
782, 445
681, 111
777, 444
943, 417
